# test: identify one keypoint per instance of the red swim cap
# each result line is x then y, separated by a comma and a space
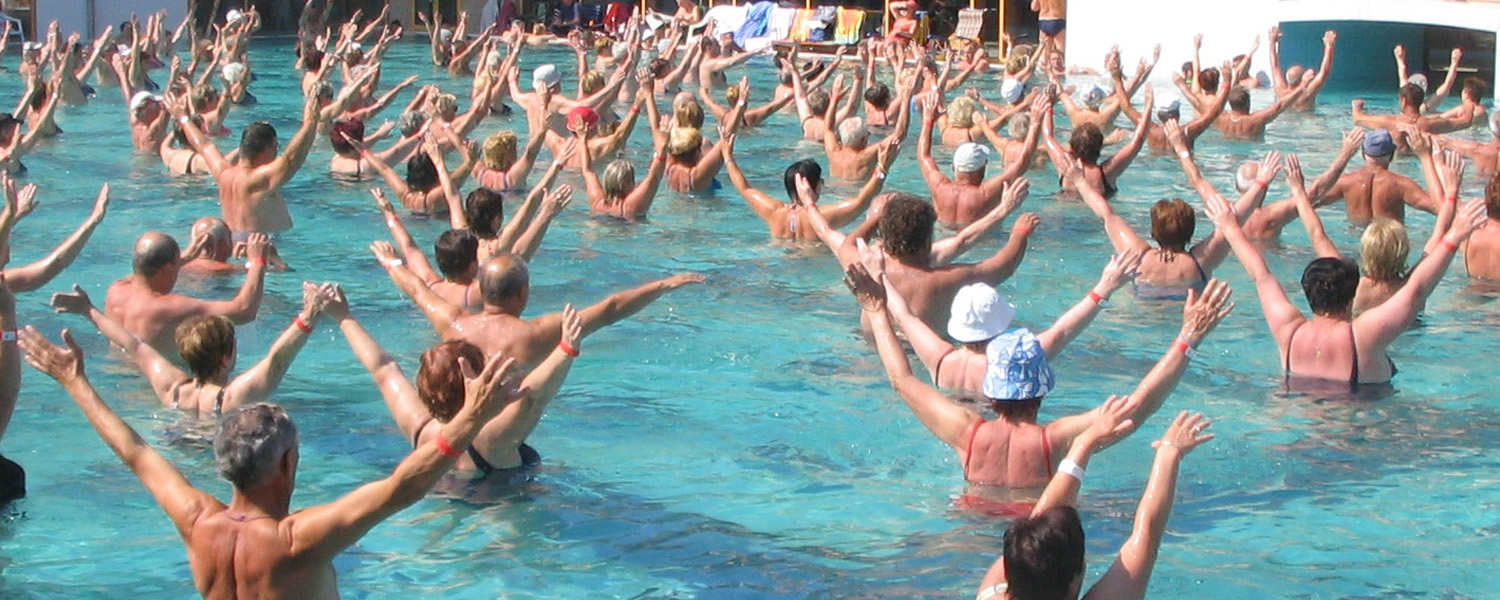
582, 116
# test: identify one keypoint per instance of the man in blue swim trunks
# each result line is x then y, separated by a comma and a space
1052, 21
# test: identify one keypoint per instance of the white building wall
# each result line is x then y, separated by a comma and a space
90, 17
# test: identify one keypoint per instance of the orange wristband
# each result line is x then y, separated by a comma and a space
1452, 247
444, 448
257, 261
303, 325
1181, 345
567, 349
1095, 297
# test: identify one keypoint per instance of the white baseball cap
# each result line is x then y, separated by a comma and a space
139, 100
980, 312
970, 157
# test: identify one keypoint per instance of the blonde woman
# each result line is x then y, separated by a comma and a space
499, 168
692, 169
618, 194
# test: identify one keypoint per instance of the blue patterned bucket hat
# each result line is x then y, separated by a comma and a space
1018, 368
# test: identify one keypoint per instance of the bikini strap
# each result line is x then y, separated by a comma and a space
416, 435
1353, 347
937, 367
483, 465
1047, 452
1201, 273
969, 449
1286, 363
175, 390
219, 402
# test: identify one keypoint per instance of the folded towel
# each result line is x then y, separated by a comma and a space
756, 20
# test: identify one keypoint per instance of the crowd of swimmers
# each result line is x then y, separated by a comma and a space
477, 396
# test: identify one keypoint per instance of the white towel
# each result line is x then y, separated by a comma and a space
780, 25
727, 19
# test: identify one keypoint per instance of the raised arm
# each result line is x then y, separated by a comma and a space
159, 371
842, 213
438, 311
932, 174
1281, 315
416, 260
39, 273
1130, 574
1121, 234
764, 206
946, 250
945, 419
1121, 269
179, 499
1322, 245
280, 170
258, 382
1389, 319
400, 395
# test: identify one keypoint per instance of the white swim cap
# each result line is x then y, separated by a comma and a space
1418, 80
970, 157
234, 16
1012, 90
544, 76
1245, 175
233, 72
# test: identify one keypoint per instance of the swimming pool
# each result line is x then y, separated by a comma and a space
737, 439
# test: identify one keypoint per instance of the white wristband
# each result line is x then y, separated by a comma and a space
1071, 469
1184, 155
393, 263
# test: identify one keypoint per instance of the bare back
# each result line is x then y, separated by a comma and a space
149, 316
249, 207
1482, 252
233, 559
959, 204
1007, 455
1373, 192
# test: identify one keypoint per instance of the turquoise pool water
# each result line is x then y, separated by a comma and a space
737, 439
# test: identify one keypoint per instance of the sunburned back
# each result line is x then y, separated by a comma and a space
954, 135
959, 204
1482, 253
852, 164
813, 128
1167, 274
139, 310
1008, 455
1241, 126
1372, 192
248, 207
250, 559
1325, 348
500, 333
962, 370
928, 296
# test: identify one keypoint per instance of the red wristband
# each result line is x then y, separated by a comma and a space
1181, 345
1095, 297
444, 448
1452, 247
567, 348
256, 261
303, 325
1453, 199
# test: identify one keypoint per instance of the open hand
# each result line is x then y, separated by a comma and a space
65, 364
1185, 433
1204, 310
75, 303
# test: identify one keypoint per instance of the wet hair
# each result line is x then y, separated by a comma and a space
660, 67
1017, 410
410, 122
1172, 223
1492, 196
961, 112
1086, 143
456, 250
808, 169
160, 255
312, 58
591, 82
250, 442
905, 227
204, 342
257, 138
878, 95
619, 178
497, 288
688, 114
1044, 554
1239, 99
1329, 284
1383, 249
1474, 88
500, 150
38, 97
817, 101
440, 378
1412, 95
485, 211
1208, 80
421, 174
344, 130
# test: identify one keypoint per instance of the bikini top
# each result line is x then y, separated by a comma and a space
218, 399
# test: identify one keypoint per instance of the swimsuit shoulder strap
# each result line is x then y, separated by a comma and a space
1286, 364
219, 402
416, 435
1047, 451
937, 368
1353, 347
1198, 265
969, 447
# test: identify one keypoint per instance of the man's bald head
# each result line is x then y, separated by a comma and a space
503, 279
153, 252
220, 240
